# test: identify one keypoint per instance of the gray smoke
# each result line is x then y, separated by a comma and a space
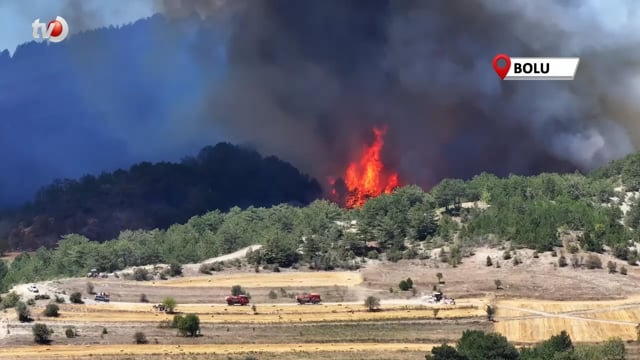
308, 79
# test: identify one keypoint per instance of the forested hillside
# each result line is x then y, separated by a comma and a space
530, 212
149, 196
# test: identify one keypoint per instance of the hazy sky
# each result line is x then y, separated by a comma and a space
16, 16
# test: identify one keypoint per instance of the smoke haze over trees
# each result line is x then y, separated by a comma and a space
307, 81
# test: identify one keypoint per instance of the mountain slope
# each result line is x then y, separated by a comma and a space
157, 195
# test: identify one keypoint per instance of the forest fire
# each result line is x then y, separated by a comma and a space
366, 177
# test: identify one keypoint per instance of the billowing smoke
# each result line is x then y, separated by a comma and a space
308, 80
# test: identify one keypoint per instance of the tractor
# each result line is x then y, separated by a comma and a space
308, 299
237, 300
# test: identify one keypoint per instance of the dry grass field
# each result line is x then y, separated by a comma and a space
66, 351
270, 280
529, 320
265, 314
532, 306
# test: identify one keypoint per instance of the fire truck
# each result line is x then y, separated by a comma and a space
237, 300
308, 299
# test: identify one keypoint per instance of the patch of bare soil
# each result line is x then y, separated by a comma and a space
539, 278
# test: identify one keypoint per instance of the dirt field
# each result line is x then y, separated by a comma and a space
532, 306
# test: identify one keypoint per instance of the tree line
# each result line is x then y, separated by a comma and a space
528, 211
477, 345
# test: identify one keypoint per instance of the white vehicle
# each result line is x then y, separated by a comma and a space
32, 288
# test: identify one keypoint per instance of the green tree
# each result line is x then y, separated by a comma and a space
76, 298
445, 352
52, 310
476, 345
189, 325
24, 314
169, 304
41, 333
372, 303
238, 290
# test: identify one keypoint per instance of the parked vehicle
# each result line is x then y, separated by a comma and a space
308, 299
237, 300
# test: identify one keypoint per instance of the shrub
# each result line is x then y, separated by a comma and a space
204, 269
489, 261
52, 310
175, 269
70, 332
516, 261
562, 261
536, 255
141, 274
254, 309
554, 253
498, 284
410, 283
237, 290
41, 333
506, 255
623, 270
76, 298
140, 338
59, 299
42, 297
612, 267
394, 256
24, 314
372, 303
189, 325
170, 304
593, 262
104, 331
403, 285
175, 321
90, 288
373, 254
10, 300
276, 268
31, 302
273, 295
143, 298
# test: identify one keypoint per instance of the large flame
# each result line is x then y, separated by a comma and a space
366, 177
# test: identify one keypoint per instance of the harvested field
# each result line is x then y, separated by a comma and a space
567, 306
535, 330
127, 349
526, 320
266, 314
270, 280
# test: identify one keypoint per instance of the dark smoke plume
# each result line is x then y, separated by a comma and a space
308, 79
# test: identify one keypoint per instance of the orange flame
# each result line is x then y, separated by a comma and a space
366, 177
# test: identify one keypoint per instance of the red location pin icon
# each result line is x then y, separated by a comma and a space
504, 70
